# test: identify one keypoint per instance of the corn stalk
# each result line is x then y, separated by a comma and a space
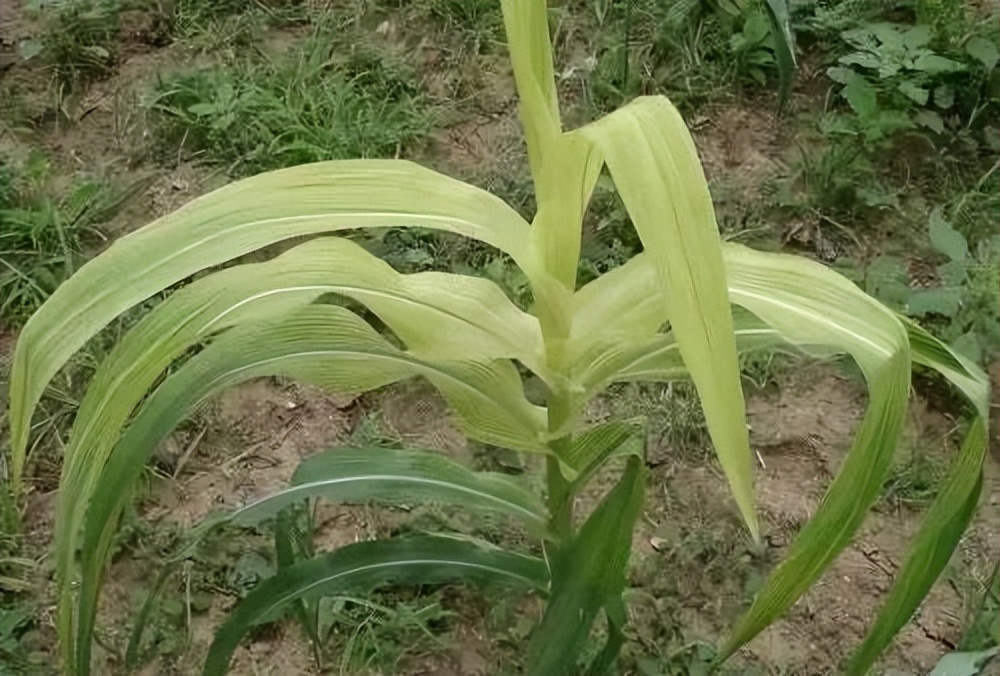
664, 315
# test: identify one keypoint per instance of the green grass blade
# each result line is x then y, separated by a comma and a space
288, 550
364, 566
652, 158
233, 221
394, 476
588, 575
843, 508
784, 47
939, 535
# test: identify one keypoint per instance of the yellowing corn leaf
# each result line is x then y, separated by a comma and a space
233, 221
653, 161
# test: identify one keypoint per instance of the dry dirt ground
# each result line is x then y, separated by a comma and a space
691, 558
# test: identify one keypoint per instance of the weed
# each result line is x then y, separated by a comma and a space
219, 25
317, 103
21, 649
960, 302
983, 628
44, 238
675, 420
79, 42
375, 633
478, 22
834, 179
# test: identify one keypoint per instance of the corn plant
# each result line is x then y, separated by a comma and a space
666, 314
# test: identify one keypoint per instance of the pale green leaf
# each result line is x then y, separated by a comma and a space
961, 372
964, 663
364, 566
527, 26
437, 315
843, 508
810, 304
235, 220
594, 445
652, 158
324, 345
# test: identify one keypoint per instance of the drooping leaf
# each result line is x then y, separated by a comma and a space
930, 551
437, 315
364, 566
324, 345
652, 158
970, 380
842, 509
588, 575
235, 220
810, 304
397, 476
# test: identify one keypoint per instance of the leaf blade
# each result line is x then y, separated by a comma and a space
235, 220
651, 155
393, 475
588, 576
366, 565
930, 551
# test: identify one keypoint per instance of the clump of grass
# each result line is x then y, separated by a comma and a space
675, 421
214, 25
42, 239
80, 41
317, 103
915, 481
479, 22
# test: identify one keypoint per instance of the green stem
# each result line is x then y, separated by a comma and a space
560, 501
560, 490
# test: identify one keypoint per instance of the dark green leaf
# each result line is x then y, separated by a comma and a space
942, 301
784, 46
861, 97
363, 566
945, 238
915, 93
932, 63
398, 476
588, 575
929, 119
984, 51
